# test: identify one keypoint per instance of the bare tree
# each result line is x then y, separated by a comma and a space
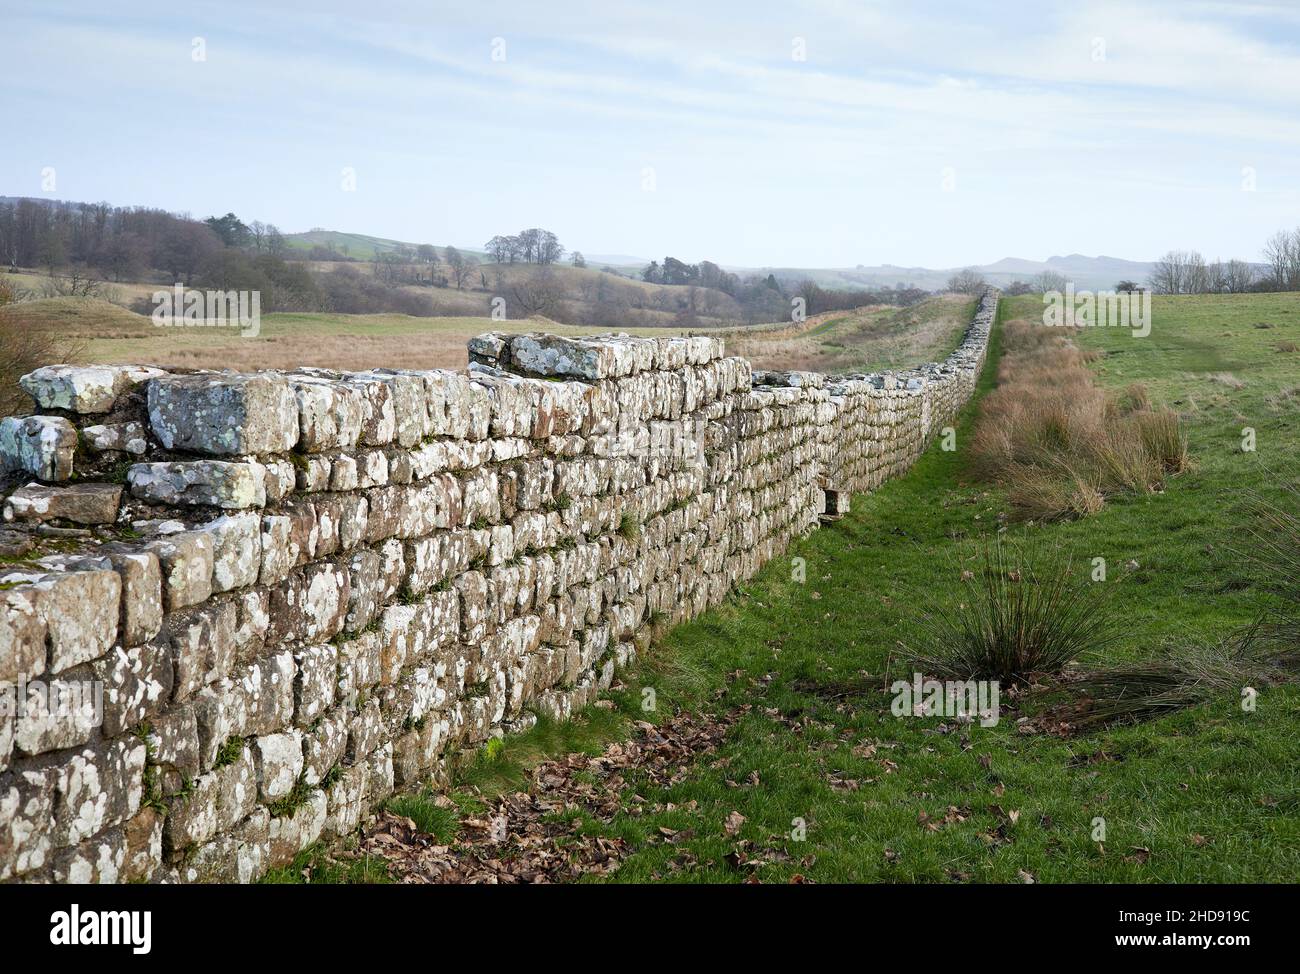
76, 283
1180, 272
122, 257
1282, 255
968, 281
276, 245
498, 248
460, 265
537, 293
1046, 281
1231, 277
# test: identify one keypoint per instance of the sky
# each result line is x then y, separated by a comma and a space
802, 133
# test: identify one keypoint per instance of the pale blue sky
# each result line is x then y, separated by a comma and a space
758, 158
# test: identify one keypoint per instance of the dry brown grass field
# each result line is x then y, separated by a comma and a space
864, 339
103, 332
106, 333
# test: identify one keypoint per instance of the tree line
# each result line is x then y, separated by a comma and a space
1187, 272
78, 241
122, 242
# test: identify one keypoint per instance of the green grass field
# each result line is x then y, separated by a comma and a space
1206, 795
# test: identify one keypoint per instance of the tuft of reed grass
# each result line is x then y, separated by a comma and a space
1275, 548
1133, 399
1022, 613
1054, 439
1227, 379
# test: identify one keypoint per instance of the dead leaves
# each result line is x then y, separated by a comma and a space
952, 816
540, 835
734, 821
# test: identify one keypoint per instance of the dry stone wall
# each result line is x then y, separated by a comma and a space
300, 591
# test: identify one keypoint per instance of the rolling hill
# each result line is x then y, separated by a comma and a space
1094, 273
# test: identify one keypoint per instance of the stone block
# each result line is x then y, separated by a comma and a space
116, 438
39, 446
98, 787
27, 803
208, 483
78, 503
236, 550
222, 413
279, 760
216, 802
186, 560
83, 389
79, 611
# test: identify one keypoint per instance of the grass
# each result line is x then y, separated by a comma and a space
1180, 678
1201, 795
506, 765
103, 332
293, 339
434, 814
116, 335
314, 865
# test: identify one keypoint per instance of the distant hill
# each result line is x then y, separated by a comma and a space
1094, 273
358, 246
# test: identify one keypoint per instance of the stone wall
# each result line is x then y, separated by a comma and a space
300, 591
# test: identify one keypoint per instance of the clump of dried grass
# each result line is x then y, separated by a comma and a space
1226, 379
1179, 678
1055, 439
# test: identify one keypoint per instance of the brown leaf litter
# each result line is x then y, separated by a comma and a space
538, 836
